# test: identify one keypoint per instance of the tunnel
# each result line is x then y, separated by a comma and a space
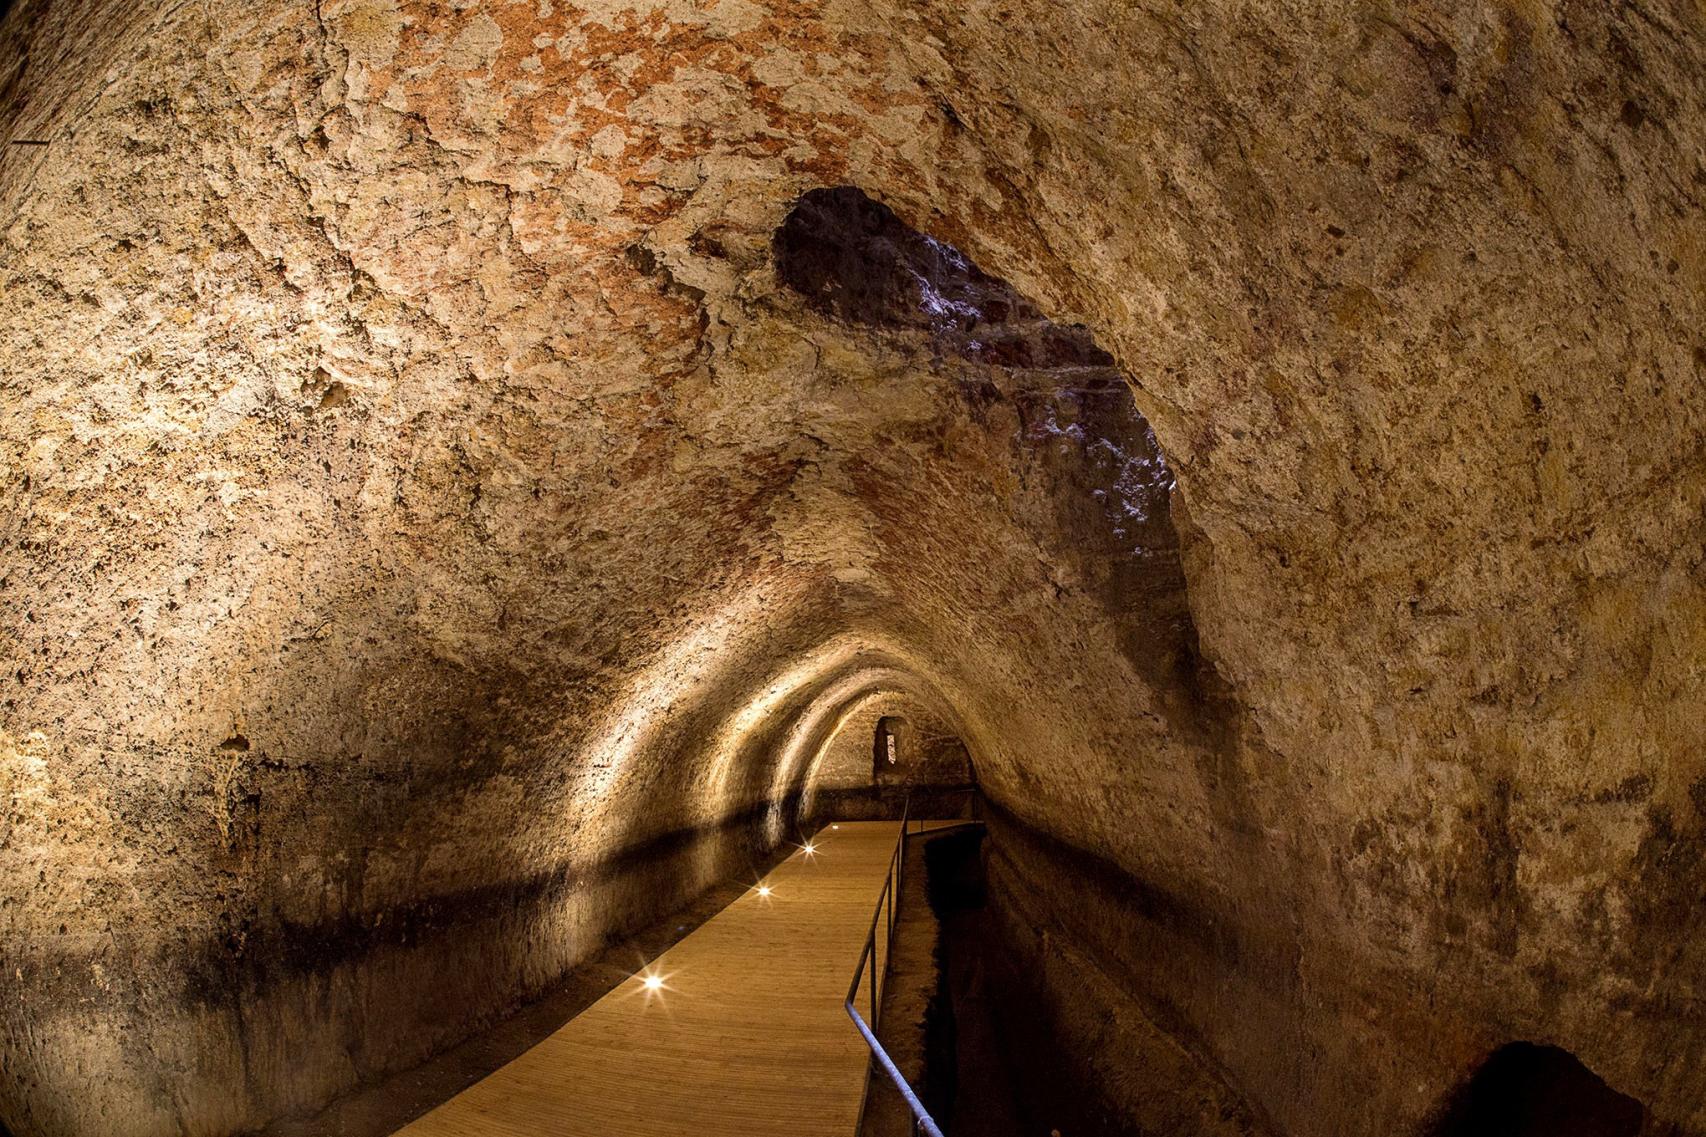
852, 566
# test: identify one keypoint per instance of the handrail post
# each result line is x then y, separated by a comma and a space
889, 929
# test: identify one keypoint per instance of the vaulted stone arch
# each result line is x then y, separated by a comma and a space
410, 391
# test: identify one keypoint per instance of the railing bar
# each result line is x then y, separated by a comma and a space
859, 971
878, 956
925, 1123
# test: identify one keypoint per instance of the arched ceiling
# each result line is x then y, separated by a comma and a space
428, 502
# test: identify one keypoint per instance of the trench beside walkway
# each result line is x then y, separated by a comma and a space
747, 1036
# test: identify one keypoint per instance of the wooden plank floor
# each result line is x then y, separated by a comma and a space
748, 1035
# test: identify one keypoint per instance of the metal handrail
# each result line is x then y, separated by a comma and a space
889, 895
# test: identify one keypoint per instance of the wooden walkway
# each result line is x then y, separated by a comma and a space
747, 1034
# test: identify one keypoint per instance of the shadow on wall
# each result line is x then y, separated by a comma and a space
1090, 469
995, 1064
1525, 1090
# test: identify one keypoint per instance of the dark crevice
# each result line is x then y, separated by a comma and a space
1528, 1090
993, 1067
1085, 446
852, 258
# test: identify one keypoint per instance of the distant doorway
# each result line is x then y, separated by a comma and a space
891, 748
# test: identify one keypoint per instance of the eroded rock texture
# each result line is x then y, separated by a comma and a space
437, 535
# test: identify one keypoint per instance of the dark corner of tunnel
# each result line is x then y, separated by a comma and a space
1526, 1089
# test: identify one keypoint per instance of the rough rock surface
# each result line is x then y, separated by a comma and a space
436, 538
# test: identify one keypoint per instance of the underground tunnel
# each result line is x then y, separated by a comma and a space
772, 566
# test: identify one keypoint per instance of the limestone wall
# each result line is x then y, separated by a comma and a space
433, 532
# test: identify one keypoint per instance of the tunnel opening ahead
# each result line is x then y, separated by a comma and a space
1528, 1090
886, 747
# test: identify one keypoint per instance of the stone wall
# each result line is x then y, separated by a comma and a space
423, 493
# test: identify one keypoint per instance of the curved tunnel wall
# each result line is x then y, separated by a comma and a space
345, 343
490, 712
